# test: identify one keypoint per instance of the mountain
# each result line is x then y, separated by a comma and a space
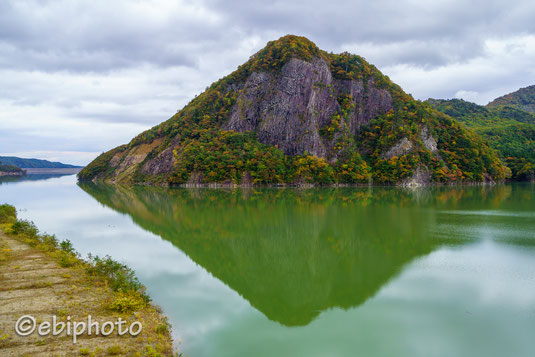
509, 130
523, 99
34, 163
296, 114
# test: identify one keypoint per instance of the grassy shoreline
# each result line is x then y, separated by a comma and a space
44, 277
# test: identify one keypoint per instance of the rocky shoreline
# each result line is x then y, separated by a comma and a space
14, 173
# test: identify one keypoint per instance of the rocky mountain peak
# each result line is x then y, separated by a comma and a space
296, 114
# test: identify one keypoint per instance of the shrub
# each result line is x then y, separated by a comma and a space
49, 241
119, 276
163, 328
25, 228
67, 259
8, 213
127, 302
66, 246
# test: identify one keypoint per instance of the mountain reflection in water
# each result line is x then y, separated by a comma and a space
294, 253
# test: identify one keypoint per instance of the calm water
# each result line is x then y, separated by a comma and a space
324, 272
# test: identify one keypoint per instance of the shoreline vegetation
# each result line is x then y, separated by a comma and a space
43, 277
306, 185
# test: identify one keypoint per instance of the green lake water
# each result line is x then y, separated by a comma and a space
447, 271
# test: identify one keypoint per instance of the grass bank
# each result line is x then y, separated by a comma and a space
42, 277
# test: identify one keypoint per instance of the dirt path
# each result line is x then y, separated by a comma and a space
33, 283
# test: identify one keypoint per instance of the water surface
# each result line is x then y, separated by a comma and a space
323, 272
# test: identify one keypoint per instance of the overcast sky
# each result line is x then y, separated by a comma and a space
81, 77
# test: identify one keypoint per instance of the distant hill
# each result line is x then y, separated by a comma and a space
474, 115
34, 163
523, 99
10, 170
508, 129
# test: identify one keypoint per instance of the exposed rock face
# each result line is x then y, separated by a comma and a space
125, 162
428, 140
162, 163
369, 101
421, 177
404, 146
288, 109
401, 148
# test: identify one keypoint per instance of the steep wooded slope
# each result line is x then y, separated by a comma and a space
296, 114
523, 99
509, 130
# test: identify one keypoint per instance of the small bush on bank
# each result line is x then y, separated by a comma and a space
67, 260
127, 302
8, 213
67, 247
25, 228
120, 277
50, 241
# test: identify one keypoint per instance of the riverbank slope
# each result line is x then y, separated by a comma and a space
44, 279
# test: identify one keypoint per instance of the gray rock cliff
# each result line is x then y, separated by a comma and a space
289, 109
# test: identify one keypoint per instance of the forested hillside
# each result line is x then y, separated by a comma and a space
296, 114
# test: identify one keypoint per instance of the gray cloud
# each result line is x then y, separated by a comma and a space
85, 76
102, 35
